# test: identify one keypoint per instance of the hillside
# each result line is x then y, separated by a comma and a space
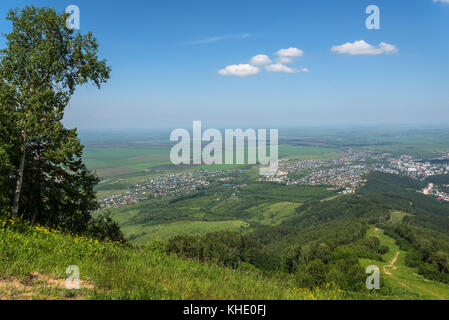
399, 277
33, 263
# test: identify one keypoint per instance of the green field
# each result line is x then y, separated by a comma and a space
141, 234
114, 161
273, 214
307, 152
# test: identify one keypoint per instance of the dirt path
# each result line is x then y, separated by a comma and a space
391, 264
13, 289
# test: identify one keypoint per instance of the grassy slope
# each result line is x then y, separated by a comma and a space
273, 214
118, 272
403, 280
141, 234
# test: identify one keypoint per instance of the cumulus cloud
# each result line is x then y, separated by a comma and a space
442, 1
361, 47
263, 61
241, 70
278, 67
260, 60
283, 59
288, 55
290, 52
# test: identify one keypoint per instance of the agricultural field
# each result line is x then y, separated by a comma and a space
307, 152
116, 161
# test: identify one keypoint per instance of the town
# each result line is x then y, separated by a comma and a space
162, 186
345, 173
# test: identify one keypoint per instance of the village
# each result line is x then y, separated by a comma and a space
162, 186
346, 173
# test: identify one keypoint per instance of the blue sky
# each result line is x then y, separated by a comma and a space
166, 57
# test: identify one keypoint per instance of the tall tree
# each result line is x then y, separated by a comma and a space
40, 68
7, 145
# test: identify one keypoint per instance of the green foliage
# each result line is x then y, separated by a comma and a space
344, 207
42, 174
103, 227
427, 250
318, 264
400, 192
223, 248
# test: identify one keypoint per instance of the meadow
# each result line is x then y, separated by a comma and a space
34, 261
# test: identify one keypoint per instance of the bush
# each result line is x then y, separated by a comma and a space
103, 227
383, 249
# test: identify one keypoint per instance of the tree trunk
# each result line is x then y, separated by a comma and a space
15, 208
38, 185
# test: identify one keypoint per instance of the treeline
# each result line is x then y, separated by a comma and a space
344, 207
332, 259
438, 223
401, 192
224, 248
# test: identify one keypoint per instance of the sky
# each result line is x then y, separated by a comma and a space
262, 63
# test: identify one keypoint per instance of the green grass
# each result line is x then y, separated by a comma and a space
404, 282
273, 214
113, 161
119, 272
397, 216
307, 152
141, 234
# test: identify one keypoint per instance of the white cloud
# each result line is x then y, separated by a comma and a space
283, 59
442, 1
278, 67
290, 52
361, 47
241, 70
260, 60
